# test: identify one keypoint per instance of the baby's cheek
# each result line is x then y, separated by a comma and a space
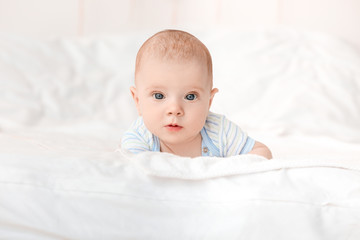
150, 124
198, 121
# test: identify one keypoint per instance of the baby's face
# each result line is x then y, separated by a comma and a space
173, 98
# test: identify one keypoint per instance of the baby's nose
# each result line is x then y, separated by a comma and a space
175, 109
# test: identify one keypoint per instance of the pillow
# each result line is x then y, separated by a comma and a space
67, 82
288, 83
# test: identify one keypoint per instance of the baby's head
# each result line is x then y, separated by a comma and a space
173, 85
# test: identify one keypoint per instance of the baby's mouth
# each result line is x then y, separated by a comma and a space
173, 127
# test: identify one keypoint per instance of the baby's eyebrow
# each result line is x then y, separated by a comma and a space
162, 88
198, 89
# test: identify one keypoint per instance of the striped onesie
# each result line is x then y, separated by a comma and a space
220, 138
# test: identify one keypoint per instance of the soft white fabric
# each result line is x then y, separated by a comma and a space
55, 191
74, 85
288, 83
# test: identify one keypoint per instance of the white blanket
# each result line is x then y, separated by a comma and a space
83, 192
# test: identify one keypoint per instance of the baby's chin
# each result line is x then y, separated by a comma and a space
177, 138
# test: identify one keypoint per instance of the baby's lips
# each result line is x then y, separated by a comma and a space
173, 126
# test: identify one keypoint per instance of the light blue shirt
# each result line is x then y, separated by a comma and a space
220, 138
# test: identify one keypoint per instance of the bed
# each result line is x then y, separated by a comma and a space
65, 102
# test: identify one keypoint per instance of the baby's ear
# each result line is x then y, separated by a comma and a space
135, 96
212, 94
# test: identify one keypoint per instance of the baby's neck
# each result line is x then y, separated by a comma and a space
188, 149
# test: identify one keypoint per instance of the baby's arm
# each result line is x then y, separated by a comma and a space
137, 139
261, 149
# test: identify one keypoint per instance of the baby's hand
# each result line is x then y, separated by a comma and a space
262, 150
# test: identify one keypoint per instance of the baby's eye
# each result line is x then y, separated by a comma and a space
191, 97
158, 96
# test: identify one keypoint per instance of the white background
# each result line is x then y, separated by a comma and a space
52, 18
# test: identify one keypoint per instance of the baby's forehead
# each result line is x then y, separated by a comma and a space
185, 74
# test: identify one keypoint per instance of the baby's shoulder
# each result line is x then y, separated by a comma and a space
214, 121
138, 128
138, 139
218, 123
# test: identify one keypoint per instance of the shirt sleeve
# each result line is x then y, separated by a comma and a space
136, 139
248, 146
235, 141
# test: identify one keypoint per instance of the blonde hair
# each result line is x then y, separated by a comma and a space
174, 45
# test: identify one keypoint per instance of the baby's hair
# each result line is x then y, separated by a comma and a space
174, 45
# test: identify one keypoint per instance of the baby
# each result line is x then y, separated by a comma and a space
173, 93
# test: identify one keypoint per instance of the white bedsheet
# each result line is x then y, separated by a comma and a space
85, 189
